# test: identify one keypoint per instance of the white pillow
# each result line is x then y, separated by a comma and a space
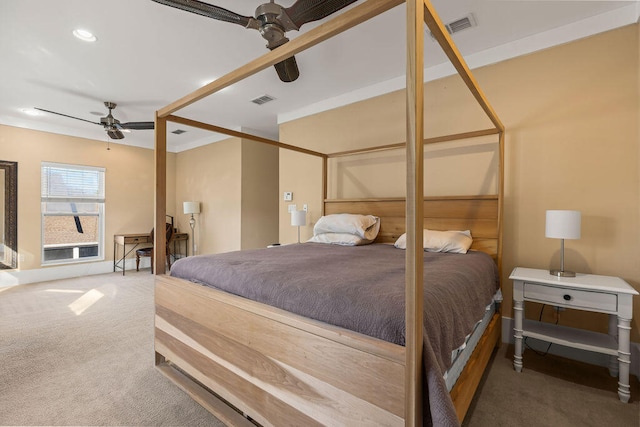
344, 239
363, 226
441, 241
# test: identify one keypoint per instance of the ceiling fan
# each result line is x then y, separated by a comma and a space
271, 20
112, 125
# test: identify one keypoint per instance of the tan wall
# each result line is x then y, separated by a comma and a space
573, 129
236, 183
129, 183
301, 174
467, 167
259, 195
212, 176
573, 114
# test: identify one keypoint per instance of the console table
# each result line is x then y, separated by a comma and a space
176, 241
124, 244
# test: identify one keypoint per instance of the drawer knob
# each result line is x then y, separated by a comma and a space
567, 297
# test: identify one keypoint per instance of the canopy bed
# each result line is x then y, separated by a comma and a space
247, 361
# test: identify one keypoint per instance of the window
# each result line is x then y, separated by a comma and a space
72, 213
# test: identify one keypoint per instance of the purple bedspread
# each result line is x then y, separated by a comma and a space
361, 288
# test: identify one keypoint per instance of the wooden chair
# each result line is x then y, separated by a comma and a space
148, 252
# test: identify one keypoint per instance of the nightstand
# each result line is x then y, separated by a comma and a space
589, 292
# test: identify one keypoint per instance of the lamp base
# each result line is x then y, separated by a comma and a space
562, 273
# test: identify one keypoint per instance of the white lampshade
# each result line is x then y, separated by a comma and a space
563, 224
191, 207
298, 218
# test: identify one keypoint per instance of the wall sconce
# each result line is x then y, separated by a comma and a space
298, 219
192, 208
563, 225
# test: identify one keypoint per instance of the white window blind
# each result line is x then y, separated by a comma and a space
72, 183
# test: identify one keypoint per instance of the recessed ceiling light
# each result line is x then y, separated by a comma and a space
31, 111
84, 35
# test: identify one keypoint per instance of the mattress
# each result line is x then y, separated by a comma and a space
460, 356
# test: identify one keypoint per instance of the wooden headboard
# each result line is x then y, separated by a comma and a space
476, 213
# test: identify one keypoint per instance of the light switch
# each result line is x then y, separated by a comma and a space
292, 208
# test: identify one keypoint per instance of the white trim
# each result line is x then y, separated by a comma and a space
22, 277
616, 18
590, 357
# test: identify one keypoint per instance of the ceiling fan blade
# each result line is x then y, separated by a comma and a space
210, 11
115, 134
304, 11
66, 115
137, 125
287, 69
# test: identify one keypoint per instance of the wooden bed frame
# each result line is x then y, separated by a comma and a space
283, 369
238, 357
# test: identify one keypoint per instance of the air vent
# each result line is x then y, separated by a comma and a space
459, 25
178, 131
263, 99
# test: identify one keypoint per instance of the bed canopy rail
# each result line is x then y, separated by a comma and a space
229, 132
446, 43
434, 140
419, 12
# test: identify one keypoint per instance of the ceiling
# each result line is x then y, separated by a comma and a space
148, 55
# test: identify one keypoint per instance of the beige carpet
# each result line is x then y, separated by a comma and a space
550, 391
80, 352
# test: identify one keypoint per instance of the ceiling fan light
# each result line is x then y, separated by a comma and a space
84, 35
287, 69
115, 134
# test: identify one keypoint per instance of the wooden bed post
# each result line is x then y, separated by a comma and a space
325, 178
160, 242
414, 211
500, 199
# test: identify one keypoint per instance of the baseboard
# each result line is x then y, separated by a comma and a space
590, 357
22, 277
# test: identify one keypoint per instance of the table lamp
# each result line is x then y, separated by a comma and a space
192, 208
562, 225
298, 219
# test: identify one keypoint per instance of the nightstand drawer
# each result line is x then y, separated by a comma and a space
599, 301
